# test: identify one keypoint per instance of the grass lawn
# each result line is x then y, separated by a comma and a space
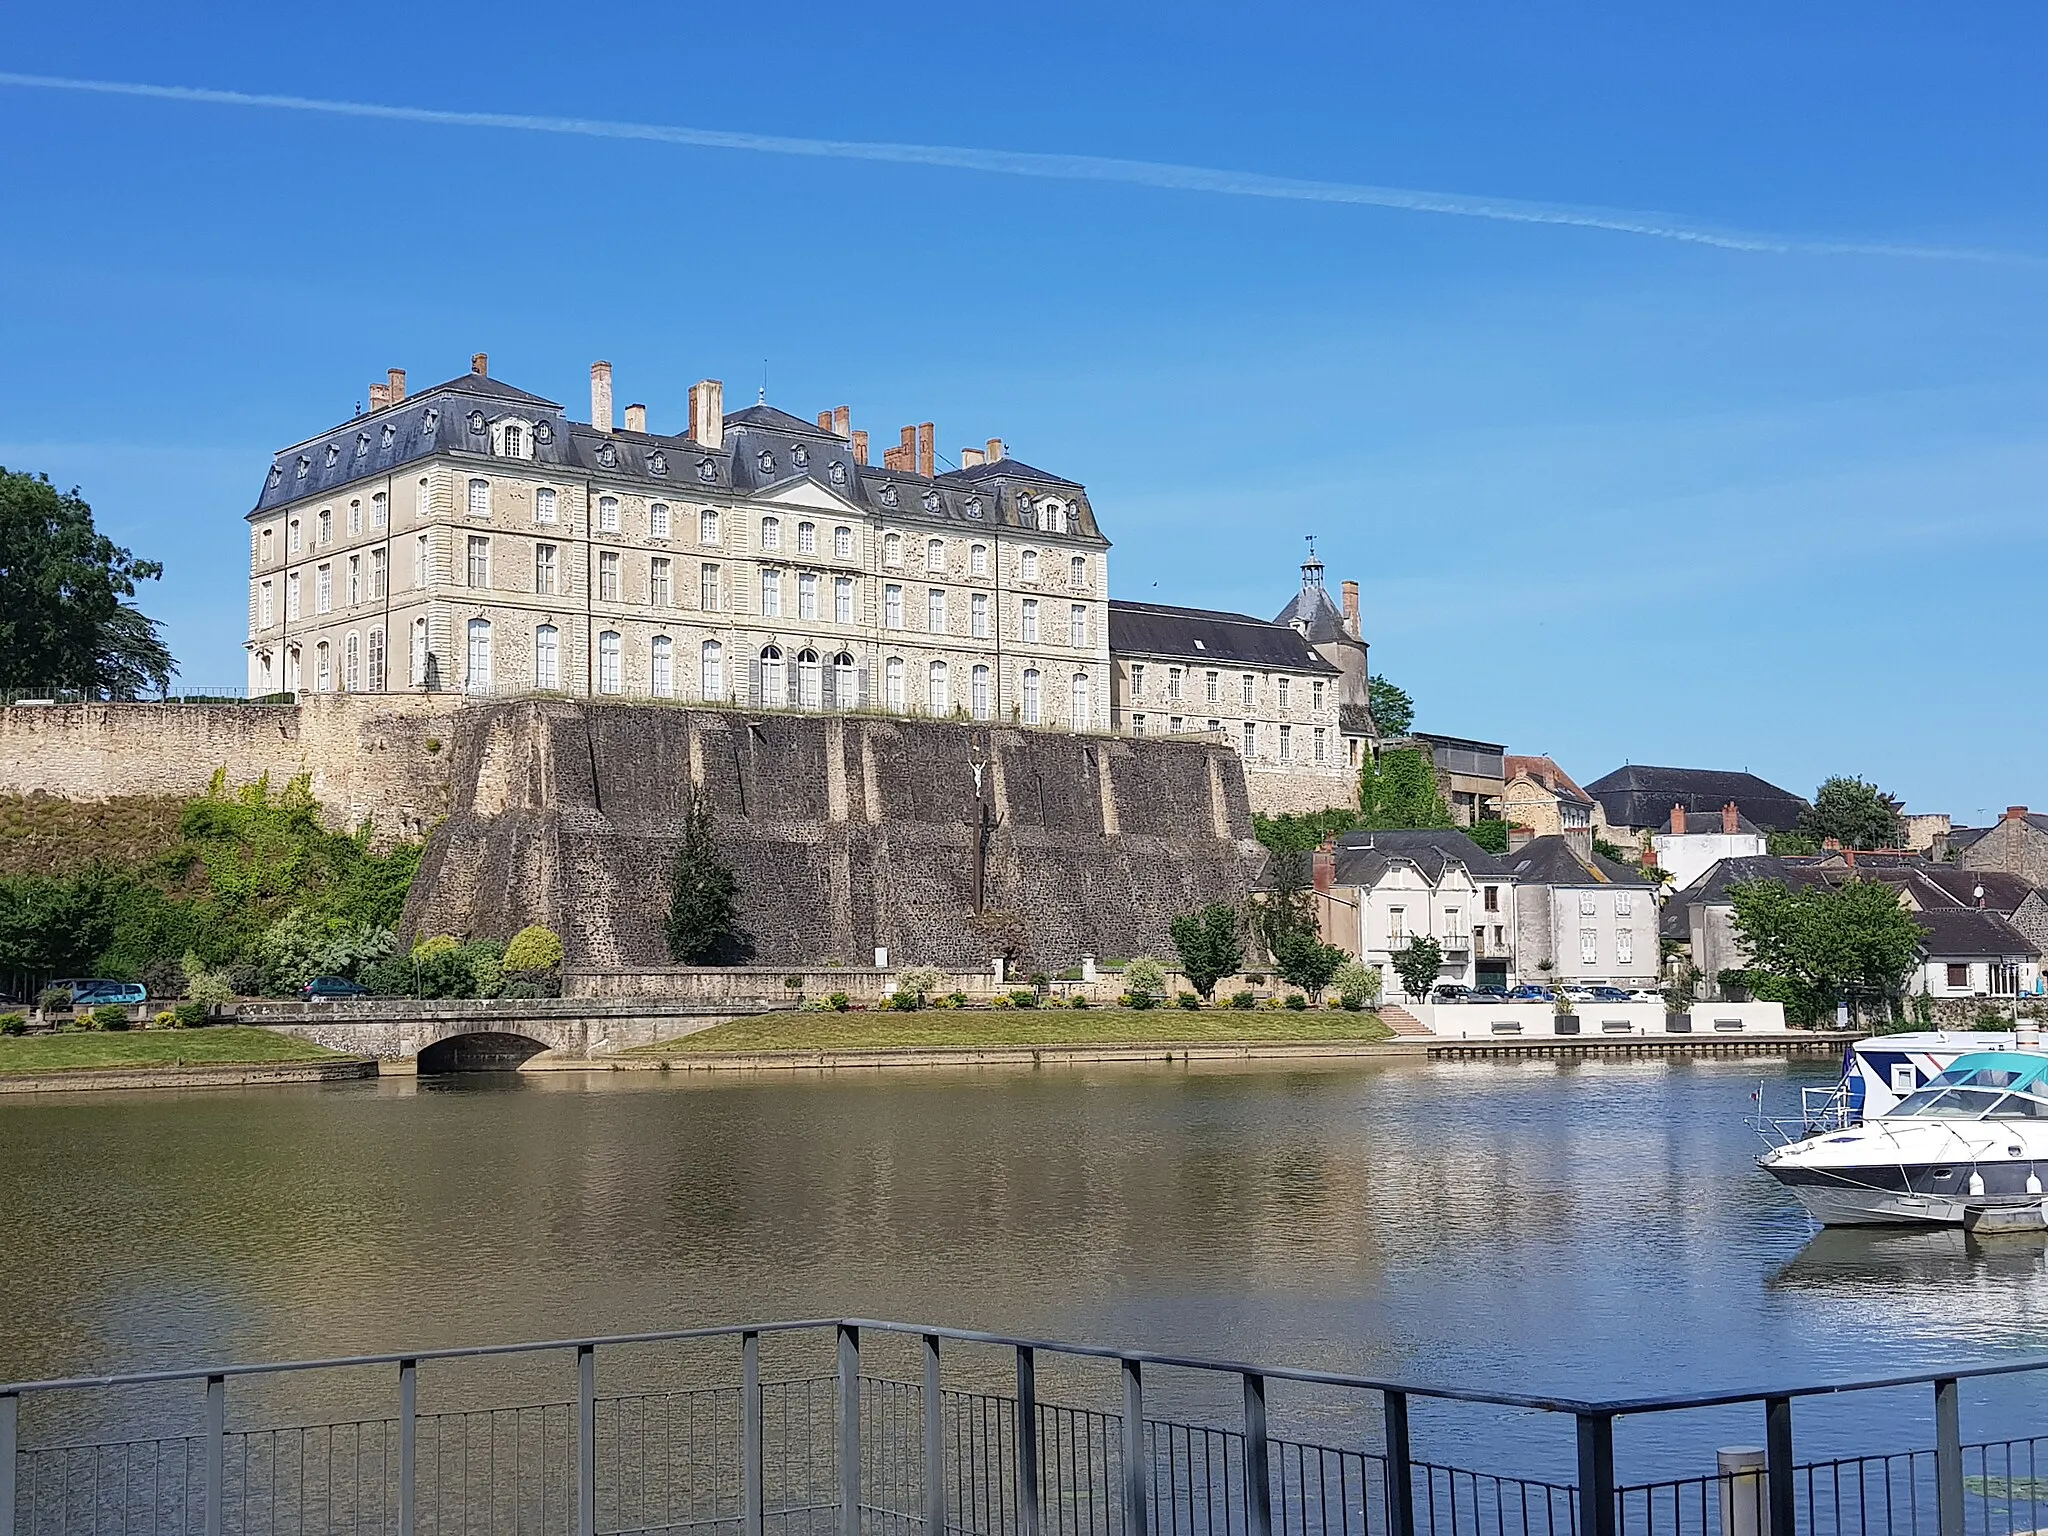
1023, 1026
223, 1046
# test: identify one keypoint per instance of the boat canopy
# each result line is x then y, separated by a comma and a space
1984, 1084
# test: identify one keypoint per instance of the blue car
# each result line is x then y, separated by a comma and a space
1529, 992
100, 993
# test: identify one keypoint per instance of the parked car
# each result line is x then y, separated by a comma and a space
1529, 992
1450, 992
1645, 995
97, 992
327, 989
1493, 992
1607, 995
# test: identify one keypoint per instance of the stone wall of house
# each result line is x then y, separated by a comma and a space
847, 833
381, 760
1276, 791
2015, 846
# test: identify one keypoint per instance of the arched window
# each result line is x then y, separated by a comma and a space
1077, 571
544, 505
609, 658
326, 527
892, 550
981, 700
938, 690
479, 498
711, 672
607, 514
807, 538
892, 683
418, 675
771, 533
376, 649
707, 526
515, 440
291, 670
291, 537
1083, 701
547, 658
352, 663
774, 678
810, 680
423, 500
477, 672
663, 667
323, 668
1031, 701
657, 520
380, 510
845, 681
935, 557
355, 517
842, 544
1029, 561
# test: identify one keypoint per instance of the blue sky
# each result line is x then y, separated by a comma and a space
1611, 496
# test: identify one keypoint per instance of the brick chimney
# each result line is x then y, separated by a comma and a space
842, 420
1647, 856
860, 446
824, 421
971, 458
636, 418
396, 388
1323, 865
927, 460
380, 396
707, 413
2015, 813
1678, 821
1731, 819
903, 457
997, 452
1351, 609
601, 396
480, 363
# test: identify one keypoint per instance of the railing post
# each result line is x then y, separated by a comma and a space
753, 1515
1778, 1474
10, 1421
849, 1430
1027, 1441
586, 1440
1258, 1472
1948, 1458
1597, 1514
216, 1452
408, 1440
1135, 1456
934, 1442
1400, 1477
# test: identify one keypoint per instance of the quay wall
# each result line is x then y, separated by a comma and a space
1597, 1021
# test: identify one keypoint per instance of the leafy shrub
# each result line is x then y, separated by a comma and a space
1040, 981
389, 977
1024, 997
165, 1019
906, 1001
956, 1000
13, 1023
1139, 1000
1001, 1000
1079, 1000
921, 981
535, 948
113, 1016
792, 982
190, 1015
1297, 1002
209, 989
1145, 977
1358, 985
816, 1005
1244, 999
1189, 1001
1270, 1003
53, 997
839, 1002
84, 1021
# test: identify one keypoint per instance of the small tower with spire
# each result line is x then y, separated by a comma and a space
1311, 569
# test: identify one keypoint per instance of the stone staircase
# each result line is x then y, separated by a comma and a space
1403, 1023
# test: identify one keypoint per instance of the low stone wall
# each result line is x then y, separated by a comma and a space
1484, 1021
569, 1029
252, 1073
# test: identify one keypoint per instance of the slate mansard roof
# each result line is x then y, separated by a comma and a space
1362, 857
1642, 796
763, 450
1550, 861
1201, 635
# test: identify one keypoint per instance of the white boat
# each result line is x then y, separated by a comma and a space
1972, 1141
1880, 1070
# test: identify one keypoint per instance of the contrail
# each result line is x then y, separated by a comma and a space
1053, 167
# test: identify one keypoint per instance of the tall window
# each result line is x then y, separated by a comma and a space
355, 518
1077, 636
1589, 946
266, 546
935, 557
291, 538
608, 575
892, 550
1283, 692
842, 543
423, 499
1315, 695
1624, 904
711, 670
977, 615
418, 674
378, 558
771, 593
291, 669
845, 681
1137, 679
515, 441
710, 589
610, 656
376, 647
892, 683
355, 580
1077, 571
1251, 741
1624, 946
1250, 686
1030, 626
544, 569
657, 520
938, 691
352, 663
774, 679
1082, 699
771, 533
660, 588
419, 562
607, 514
479, 561
547, 658
807, 538
810, 680
323, 589
707, 526
380, 511
479, 498
1286, 743
892, 606
935, 610
1031, 691
1137, 725
842, 599
1322, 744
977, 559
979, 699
263, 606
291, 595
323, 668
326, 527
1030, 565
1173, 683
477, 675
807, 595
544, 505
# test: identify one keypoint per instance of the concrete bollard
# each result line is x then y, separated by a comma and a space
1742, 1491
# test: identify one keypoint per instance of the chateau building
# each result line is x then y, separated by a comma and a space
472, 537
1340, 640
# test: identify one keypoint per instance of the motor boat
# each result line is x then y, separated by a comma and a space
1971, 1142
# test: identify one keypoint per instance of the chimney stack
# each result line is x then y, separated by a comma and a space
601, 396
860, 447
824, 421
903, 457
971, 458
1323, 865
1351, 609
380, 396
1647, 857
396, 388
1678, 821
480, 363
842, 420
1731, 819
2015, 813
636, 418
707, 413
927, 462
995, 450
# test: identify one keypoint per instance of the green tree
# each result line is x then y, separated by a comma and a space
1208, 944
1301, 957
1399, 791
1300, 831
1857, 814
65, 621
1817, 946
703, 908
1145, 981
1392, 710
1791, 845
1417, 963
1490, 835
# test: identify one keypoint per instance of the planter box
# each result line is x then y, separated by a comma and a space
1677, 1023
1567, 1024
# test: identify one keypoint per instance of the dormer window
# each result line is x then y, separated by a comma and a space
657, 463
607, 457
707, 471
888, 495
390, 435
767, 462
974, 508
333, 455
931, 501
514, 441
476, 421
837, 473
362, 445
430, 421
276, 476
543, 432
800, 456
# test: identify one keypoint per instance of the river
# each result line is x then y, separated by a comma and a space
1593, 1228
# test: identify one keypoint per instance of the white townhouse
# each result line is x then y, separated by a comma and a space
1378, 890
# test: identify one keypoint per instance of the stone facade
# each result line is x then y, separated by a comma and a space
2017, 845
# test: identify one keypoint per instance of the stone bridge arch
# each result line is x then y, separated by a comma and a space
478, 1051
500, 1035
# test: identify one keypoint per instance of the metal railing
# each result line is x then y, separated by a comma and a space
851, 1444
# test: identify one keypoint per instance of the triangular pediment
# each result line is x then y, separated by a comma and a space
803, 491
